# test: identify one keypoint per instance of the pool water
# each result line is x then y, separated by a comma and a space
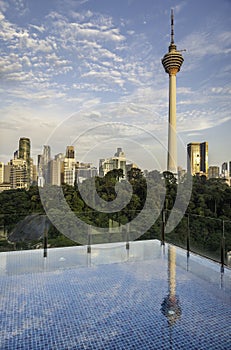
144, 297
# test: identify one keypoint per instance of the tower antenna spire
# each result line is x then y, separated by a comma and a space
172, 27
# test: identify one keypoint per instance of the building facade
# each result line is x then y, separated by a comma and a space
19, 175
85, 171
1, 172
213, 172
70, 152
197, 160
116, 162
24, 152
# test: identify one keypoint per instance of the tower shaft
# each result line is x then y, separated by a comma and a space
172, 141
172, 62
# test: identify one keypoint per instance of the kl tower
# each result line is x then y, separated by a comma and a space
172, 62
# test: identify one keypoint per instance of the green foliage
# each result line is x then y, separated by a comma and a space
209, 206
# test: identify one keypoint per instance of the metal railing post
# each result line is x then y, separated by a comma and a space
188, 237
89, 242
223, 246
163, 227
45, 240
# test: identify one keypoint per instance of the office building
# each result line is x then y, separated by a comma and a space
1, 172
69, 171
24, 149
225, 172
213, 172
24, 152
7, 168
19, 175
69, 167
224, 169
85, 171
116, 162
197, 160
46, 157
70, 152
55, 167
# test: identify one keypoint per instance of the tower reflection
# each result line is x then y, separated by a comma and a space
170, 306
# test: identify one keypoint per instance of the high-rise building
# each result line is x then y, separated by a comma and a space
46, 157
46, 154
34, 174
55, 167
19, 174
225, 173
116, 162
85, 171
40, 165
172, 62
204, 157
69, 167
69, 171
24, 152
24, 149
7, 168
70, 152
213, 172
1, 172
224, 169
197, 161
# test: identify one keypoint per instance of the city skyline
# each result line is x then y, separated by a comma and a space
100, 62
69, 152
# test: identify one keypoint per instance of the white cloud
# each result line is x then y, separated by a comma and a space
220, 90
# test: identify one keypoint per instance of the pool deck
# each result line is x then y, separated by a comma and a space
113, 298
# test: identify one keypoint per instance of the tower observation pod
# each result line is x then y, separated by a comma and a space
172, 62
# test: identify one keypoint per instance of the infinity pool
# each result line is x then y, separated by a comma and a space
144, 297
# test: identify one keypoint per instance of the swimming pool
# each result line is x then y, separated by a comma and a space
144, 297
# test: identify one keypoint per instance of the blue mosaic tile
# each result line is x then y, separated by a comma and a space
116, 306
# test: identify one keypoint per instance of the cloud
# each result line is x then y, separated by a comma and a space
40, 29
79, 58
203, 44
221, 90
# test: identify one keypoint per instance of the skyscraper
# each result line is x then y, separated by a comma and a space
24, 154
46, 154
46, 157
197, 161
19, 174
70, 152
116, 162
69, 166
24, 149
224, 169
1, 172
204, 157
172, 62
213, 172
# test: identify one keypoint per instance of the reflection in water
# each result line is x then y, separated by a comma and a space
170, 306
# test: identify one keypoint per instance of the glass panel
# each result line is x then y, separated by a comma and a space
227, 243
205, 236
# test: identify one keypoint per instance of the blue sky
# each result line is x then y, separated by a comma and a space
89, 73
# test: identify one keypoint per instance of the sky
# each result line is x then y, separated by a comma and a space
88, 73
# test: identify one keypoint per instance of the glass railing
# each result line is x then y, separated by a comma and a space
206, 236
